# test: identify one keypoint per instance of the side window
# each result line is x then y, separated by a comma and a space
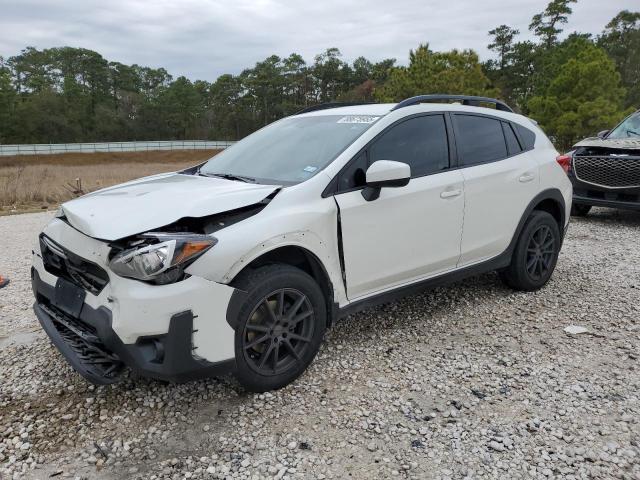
479, 139
420, 141
527, 136
354, 175
512, 141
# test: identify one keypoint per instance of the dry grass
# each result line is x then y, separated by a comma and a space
33, 182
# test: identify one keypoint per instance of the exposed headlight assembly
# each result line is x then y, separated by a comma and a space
160, 257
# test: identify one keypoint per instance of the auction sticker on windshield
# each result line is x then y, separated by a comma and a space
358, 119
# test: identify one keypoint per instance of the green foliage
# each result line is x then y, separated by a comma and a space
502, 43
8, 100
621, 40
545, 25
584, 97
455, 72
573, 86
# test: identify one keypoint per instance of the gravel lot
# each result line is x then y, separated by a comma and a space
469, 381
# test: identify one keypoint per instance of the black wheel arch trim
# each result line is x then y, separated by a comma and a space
550, 194
238, 297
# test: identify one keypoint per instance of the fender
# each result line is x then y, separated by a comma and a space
549, 194
292, 239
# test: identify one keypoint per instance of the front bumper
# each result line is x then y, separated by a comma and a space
588, 194
95, 351
174, 332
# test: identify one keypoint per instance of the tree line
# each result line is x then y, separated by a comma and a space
572, 87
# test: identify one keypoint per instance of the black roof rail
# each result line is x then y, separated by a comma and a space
464, 99
325, 106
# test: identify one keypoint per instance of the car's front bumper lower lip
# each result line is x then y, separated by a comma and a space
94, 350
599, 202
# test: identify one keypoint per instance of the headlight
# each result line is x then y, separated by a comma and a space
160, 257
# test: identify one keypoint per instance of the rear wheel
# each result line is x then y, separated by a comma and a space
580, 210
535, 255
280, 326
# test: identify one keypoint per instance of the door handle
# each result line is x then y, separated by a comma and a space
526, 177
451, 193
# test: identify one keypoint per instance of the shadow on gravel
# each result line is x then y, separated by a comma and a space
611, 217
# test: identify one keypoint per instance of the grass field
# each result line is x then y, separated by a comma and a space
38, 182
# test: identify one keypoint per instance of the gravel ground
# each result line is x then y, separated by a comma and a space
469, 381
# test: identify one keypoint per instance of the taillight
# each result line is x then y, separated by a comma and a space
564, 161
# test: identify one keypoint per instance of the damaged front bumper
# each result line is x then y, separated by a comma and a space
175, 332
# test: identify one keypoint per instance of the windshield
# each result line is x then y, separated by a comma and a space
630, 127
289, 151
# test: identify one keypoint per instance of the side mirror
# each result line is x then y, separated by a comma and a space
385, 173
603, 133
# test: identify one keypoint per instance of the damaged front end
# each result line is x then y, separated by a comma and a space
129, 303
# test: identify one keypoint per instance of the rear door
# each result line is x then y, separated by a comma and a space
500, 179
409, 232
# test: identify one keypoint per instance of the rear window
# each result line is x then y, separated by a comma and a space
479, 139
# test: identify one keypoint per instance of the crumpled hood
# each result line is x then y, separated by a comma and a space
153, 202
620, 143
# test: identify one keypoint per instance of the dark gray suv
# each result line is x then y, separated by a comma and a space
605, 170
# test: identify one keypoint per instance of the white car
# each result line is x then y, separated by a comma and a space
241, 263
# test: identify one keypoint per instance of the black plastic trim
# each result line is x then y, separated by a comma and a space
598, 202
71, 263
499, 262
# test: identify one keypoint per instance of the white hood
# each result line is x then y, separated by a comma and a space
153, 202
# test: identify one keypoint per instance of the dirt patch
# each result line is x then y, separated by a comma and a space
33, 182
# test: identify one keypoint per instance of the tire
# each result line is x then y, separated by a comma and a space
580, 210
535, 255
280, 326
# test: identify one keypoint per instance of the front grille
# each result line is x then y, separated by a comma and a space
83, 340
608, 171
62, 263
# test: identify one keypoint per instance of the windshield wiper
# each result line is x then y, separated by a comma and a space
631, 131
229, 176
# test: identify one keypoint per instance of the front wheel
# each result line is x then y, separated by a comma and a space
580, 210
280, 326
535, 255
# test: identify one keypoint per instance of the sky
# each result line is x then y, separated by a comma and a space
203, 39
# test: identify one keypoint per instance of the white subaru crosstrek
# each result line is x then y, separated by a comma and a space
241, 263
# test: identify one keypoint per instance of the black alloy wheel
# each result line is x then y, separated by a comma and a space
279, 331
540, 252
535, 254
280, 324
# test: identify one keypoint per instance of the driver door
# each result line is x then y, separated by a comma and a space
409, 233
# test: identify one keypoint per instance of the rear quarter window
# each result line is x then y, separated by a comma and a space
512, 141
527, 137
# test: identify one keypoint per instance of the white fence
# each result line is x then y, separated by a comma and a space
44, 149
